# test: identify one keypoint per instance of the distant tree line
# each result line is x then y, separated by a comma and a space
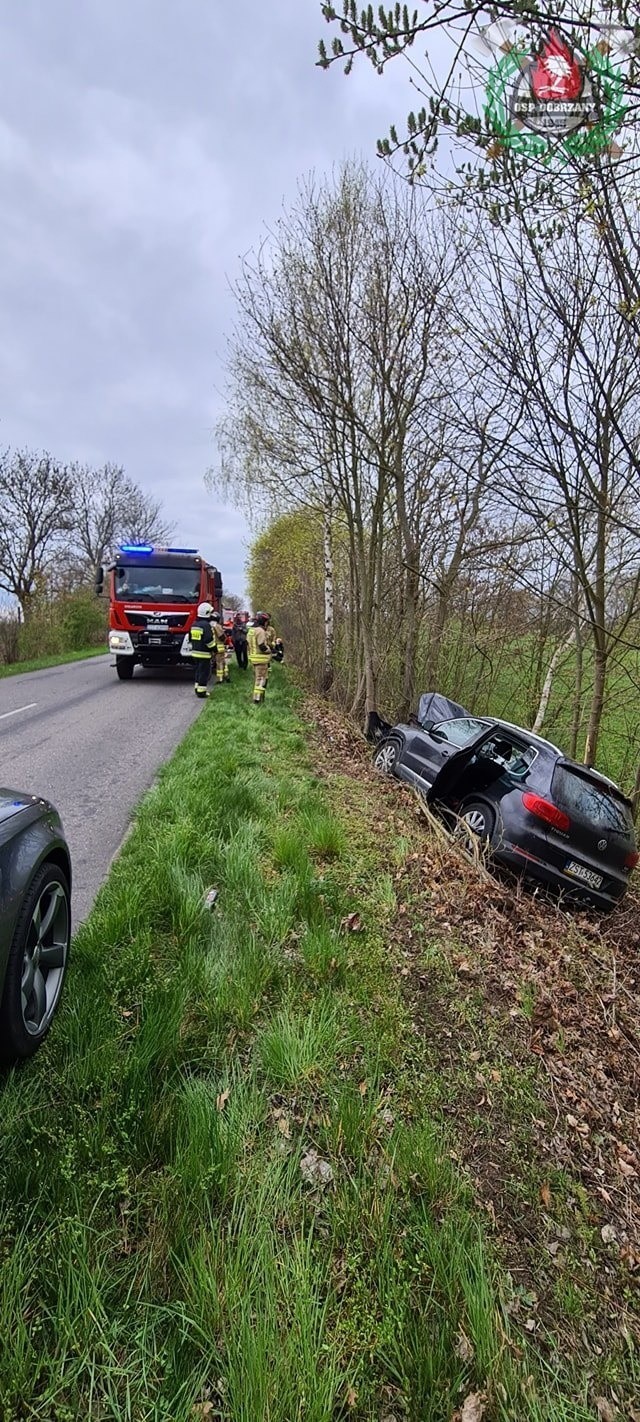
60, 522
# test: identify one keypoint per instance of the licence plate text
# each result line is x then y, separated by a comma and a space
579, 871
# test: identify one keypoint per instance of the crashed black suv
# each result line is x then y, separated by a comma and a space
540, 812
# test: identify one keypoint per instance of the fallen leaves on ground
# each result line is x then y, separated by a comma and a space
314, 1170
351, 924
464, 1348
473, 1408
561, 990
605, 1410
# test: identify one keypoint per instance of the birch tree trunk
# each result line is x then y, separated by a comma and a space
577, 690
329, 639
598, 626
548, 681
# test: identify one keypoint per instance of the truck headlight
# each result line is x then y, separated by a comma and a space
121, 643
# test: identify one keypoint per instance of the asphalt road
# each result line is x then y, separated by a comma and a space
92, 745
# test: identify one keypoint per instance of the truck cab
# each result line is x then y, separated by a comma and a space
154, 594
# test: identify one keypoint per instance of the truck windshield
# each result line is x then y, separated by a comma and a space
141, 582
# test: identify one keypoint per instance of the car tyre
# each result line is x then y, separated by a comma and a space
36, 965
124, 668
386, 757
476, 821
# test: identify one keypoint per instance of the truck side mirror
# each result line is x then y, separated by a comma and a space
99, 581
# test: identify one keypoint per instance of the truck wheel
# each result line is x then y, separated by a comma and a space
124, 668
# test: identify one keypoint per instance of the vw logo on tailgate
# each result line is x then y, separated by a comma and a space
602, 844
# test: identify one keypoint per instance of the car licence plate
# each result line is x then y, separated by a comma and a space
579, 871
158, 627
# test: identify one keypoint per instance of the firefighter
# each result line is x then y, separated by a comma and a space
259, 656
239, 635
271, 632
203, 644
222, 670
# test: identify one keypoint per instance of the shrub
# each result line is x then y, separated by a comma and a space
9, 640
68, 623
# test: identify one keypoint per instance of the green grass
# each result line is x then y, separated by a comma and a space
169, 1247
59, 659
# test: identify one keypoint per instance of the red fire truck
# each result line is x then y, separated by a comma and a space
153, 601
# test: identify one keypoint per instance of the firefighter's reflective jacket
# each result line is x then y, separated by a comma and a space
258, 646
202, 639
219, 636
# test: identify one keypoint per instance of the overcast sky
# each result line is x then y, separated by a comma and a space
143, 146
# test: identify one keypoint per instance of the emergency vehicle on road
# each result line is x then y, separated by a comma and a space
153, 600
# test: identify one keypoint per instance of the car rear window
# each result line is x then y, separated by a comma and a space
591, 802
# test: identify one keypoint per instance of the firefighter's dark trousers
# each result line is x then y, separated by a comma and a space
242, 655
203, 672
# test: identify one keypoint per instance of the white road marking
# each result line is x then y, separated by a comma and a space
17, 711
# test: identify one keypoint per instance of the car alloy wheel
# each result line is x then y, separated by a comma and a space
476, 821
45, 957
475, 828
386, 758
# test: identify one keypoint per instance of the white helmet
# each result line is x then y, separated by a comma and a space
205, 610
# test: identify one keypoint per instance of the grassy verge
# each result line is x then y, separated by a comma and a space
59, 659
230, 1190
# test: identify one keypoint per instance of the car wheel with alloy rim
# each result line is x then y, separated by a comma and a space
37, 964
386, 757
476, 823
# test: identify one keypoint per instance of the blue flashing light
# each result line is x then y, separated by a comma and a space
182, 550
135, 548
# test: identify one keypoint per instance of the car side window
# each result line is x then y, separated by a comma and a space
523, 758
459, 731
516, 759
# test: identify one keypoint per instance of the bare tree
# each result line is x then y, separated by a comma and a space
37, 511
568, 355
332, 386
109, 508
141, 520
231, 600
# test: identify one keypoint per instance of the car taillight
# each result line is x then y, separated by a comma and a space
631, 859
545, 810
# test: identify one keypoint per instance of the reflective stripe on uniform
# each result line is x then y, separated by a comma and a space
257, 656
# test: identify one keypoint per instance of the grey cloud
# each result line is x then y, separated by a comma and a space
142, 148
